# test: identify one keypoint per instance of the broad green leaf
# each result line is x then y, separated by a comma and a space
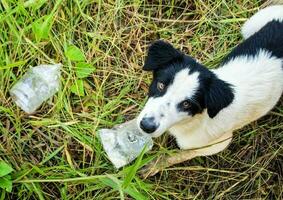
41, 27
78, 88
5, 168
6, 183
74, 53
84, 69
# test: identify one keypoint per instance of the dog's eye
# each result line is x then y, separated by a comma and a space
160, 86
186, 104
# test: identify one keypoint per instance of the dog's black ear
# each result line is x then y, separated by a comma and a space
160, 53
219, 95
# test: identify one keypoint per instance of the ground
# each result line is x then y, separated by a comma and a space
54, 152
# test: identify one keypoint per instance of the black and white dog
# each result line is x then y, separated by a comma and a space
200, 107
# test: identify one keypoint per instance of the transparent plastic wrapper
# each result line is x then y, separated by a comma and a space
36, 86
124, 143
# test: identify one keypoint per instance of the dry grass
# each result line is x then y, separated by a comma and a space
54, 152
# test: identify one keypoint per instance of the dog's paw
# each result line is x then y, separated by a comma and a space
153, 167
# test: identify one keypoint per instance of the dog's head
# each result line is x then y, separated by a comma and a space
181, 89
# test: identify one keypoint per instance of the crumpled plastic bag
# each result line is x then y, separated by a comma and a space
36, 86
124, 143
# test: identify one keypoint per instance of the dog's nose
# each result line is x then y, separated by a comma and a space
148, 125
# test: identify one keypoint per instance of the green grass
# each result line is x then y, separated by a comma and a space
55, 153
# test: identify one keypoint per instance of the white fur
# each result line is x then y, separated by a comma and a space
261, 18
258, 85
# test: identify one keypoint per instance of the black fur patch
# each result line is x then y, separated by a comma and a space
270, 38
196, 104
165, 74
213, 94
161, 54
219, 95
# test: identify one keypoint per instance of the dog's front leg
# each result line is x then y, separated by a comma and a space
165, 161
180, 156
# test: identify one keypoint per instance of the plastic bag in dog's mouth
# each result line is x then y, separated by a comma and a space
124, 143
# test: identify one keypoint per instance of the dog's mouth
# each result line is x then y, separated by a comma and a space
161, 129
157, 133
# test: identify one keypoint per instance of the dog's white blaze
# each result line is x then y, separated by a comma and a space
258, 85
164, 109
261, 18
